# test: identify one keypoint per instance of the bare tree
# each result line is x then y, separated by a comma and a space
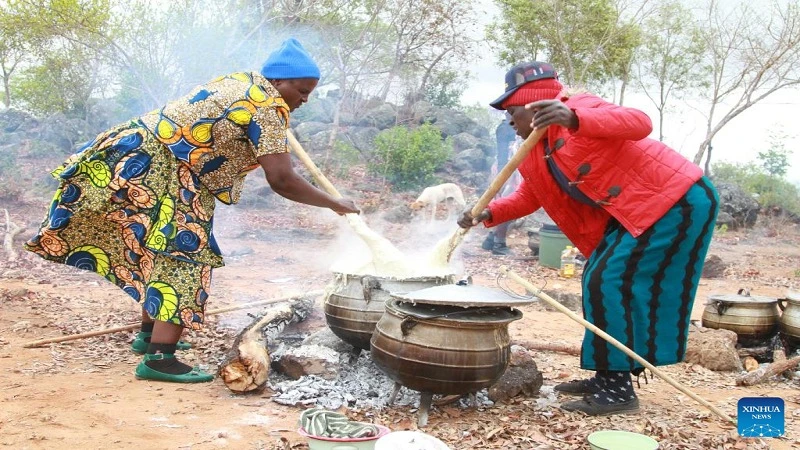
13, 48
426, 35
667, 60
754, 51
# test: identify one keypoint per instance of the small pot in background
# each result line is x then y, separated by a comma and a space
752, 318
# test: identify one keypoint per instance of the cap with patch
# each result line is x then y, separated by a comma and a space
521, 74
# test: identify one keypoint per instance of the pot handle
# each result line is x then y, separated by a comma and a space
782, 303
368, 284
406, 325
746, 292
721, 307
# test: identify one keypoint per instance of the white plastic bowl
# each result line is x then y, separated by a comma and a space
409, 440
331, 443
620, 440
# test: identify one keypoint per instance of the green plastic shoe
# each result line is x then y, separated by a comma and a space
145, 372
139, 345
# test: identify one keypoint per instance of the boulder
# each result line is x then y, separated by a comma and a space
14, 120
316, 110
474, 157
464, 141
383, 116
362, 138
522, 377
305, 129
713, 349
739, 205
714, 267
452, 122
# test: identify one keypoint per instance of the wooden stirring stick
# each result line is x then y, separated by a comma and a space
495, 186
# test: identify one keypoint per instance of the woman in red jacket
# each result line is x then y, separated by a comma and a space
642, 213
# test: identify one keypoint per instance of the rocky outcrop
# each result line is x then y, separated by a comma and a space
737, 209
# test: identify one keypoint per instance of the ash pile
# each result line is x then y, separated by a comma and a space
322, 370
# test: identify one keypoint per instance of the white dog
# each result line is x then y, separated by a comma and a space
433, 195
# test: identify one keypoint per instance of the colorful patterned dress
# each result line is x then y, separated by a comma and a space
136, 204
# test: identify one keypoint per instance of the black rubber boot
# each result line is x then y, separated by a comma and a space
500, 248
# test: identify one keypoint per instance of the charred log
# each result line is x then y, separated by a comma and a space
246, 366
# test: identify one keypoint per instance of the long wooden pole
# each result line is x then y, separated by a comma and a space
133, 326
317, 174
497, 184
610, 339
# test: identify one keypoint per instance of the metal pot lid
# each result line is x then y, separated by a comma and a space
741, 297
483, 314
466, 296
794, 296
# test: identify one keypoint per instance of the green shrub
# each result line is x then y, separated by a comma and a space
408, 158
342, 159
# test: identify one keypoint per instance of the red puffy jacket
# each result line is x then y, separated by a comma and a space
610, 159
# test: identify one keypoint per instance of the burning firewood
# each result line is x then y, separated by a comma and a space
246, 366
766, 372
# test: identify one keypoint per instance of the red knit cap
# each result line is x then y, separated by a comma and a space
546, 89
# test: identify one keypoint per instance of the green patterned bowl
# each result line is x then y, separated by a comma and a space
330, 443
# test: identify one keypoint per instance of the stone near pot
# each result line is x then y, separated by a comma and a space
356, 303
789, 323
752, 318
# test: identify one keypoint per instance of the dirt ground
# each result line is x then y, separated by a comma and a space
82, 394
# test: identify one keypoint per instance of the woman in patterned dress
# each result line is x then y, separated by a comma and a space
136, 204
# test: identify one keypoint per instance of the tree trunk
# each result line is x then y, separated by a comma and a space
707, 169
245, 368
6, 93
337, 113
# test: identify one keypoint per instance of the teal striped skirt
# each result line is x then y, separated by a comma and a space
641, 290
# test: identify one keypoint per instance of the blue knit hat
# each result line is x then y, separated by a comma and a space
290, 61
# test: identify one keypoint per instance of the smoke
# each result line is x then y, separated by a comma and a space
416, 240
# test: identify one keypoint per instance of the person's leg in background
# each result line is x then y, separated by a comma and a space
499, 246
495, 241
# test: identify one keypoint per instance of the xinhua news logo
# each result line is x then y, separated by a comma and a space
761, 417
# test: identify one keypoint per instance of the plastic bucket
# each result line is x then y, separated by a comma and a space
551, 243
